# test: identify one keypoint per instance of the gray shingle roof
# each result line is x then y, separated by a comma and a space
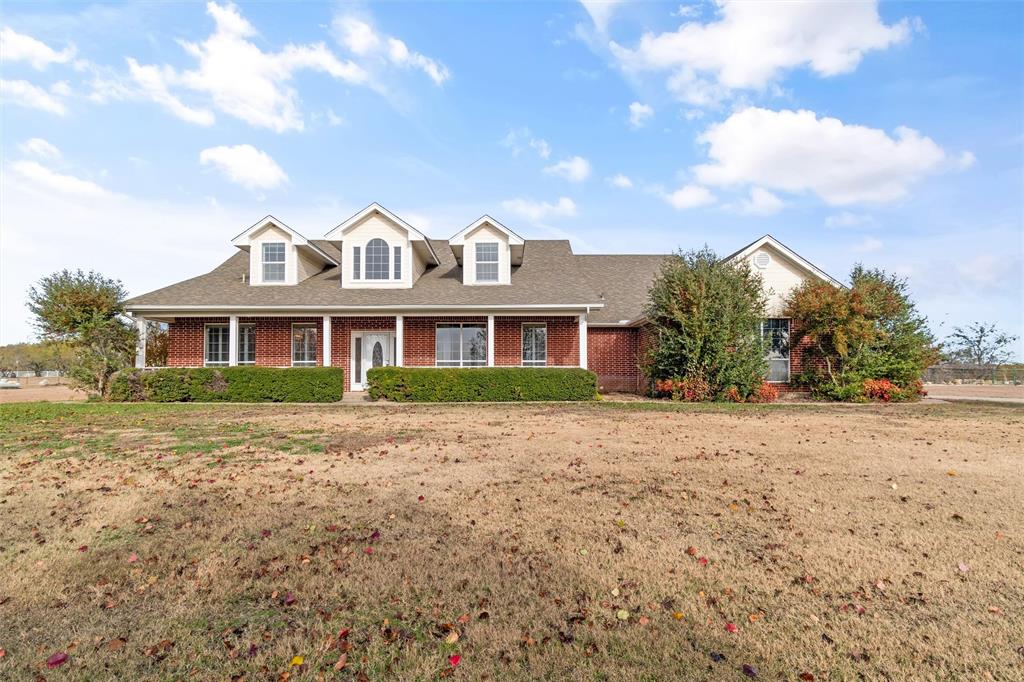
549, 275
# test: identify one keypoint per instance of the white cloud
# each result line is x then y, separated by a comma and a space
153, 80
795, 151
239, 78
362, 39
573, 169
244, 165
518, 139
868, 244
600, 12
40, 148
749, 45
333, 119
760, 202
621, 181
18, 47
966, 160
689, 196
538, 210
31, 96
639, 113
51, 181
848, 219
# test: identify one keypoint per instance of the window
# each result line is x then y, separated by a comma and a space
487, 262
303, 345
377, 259
398, 262
246, 344
535, 345
775, 333
460, 345
356, 266
215, 353
273, 262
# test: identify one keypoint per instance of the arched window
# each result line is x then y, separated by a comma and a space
377, 259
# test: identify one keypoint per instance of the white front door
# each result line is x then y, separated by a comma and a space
370, 349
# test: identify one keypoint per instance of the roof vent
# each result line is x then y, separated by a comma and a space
762, 259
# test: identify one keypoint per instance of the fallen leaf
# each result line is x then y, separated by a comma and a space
622, 614
454, 659
806, 677
452, 637
951, 472
289, 599
691, 550
133, 557
644, 620
298, 660
368, 550
995, 609
116, 644
83, 548
56, 660
342, 662
678, 615
702, 561
749, 670
964, 568
464, 618
731, 627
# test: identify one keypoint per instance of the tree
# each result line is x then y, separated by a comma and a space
86, 311
705, 315
158, 343
869, 331
980, 344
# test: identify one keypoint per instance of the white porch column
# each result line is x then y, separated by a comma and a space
140, 343
490, 340
399, 340
583, 341
233, 341
327, 341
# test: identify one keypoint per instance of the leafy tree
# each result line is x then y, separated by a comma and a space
86, 311
869, 331
980, 344
705, 315
158, 342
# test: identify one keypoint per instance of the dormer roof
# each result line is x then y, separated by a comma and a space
515, 242
338, 233
242, 239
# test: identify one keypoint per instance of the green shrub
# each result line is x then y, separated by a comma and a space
230, 384
497, 384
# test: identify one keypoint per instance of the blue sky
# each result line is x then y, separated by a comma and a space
137, 140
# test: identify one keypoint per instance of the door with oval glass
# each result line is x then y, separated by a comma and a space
370, 349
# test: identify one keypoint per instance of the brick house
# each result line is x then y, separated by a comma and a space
376, 291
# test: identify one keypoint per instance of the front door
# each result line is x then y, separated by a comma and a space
372, 349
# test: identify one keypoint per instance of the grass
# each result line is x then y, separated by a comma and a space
534, 541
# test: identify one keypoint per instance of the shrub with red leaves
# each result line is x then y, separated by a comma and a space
765, 393
880, 389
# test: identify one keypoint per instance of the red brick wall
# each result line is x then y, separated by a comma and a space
613, 353
800, 357
563, 340
185, 340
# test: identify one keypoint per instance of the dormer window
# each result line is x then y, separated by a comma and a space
273, 262
377, 259
486, 262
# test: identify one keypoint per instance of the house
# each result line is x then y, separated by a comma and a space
377, 291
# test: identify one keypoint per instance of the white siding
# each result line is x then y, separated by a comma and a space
272, 233
307, 265
490, 234
780, 277
376, 226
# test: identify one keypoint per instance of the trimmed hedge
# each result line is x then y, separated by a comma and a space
230, 384
481, 384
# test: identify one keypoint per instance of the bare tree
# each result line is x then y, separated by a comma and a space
980, 344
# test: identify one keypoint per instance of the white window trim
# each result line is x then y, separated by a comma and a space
522, 347
238, 360
789, 358
264, 262
476, 263
461, 325
206, 345
291, 343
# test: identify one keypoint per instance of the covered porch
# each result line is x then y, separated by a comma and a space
357, 342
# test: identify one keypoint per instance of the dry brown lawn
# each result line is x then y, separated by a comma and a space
532, 542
